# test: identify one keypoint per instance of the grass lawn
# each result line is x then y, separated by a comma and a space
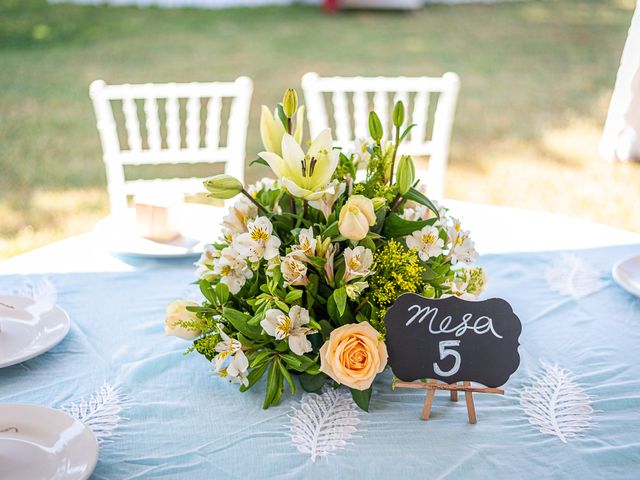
536, 81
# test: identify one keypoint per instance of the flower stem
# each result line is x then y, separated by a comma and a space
395, 152
289, 125
255, 202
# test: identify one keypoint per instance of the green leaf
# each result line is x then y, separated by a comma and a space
362, 398
208, 291
287, 377
259, 161
396, 226
260, 357
406, 132
274, 380
299, 363
340, 296
254, 376
312, 383
222, 292
293, 295
240, 322
418, 197
331, 231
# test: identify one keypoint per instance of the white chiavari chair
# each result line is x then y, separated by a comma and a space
344, 103
172, 123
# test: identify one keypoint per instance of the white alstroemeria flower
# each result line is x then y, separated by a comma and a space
205, 263
306, 243
235, 222
264, 183
232, 268
326, 201
462, 247
457, 289
415, 212
357, 263
362, 151
426, 241
258, 242
329, 257
355, 289
236, 370
305, 176
293, 269
280, 325
225, 348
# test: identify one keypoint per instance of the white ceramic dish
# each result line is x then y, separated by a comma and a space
198, 225
41, 443
29, 328
626, 273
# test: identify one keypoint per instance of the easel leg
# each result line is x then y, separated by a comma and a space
454, 396
471, 409
428, 402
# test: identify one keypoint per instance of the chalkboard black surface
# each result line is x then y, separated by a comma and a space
452, 340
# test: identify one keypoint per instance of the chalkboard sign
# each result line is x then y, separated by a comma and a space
452, 340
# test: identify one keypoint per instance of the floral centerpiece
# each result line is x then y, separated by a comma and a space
298, 284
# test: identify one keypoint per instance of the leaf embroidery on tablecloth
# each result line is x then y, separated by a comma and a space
100, 412
324, 422
572, 276
556, 404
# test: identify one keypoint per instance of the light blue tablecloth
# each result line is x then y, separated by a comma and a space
182, 423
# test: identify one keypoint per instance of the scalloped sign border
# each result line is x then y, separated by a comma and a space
453, 340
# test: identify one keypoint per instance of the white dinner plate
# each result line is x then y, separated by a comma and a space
41, 443
198, 225
29, 329
626, 273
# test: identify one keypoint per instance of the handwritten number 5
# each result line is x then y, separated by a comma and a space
446, 352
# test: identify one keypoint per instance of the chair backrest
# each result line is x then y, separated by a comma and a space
348, 100
172, 123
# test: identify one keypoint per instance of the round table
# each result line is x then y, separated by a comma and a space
494, 229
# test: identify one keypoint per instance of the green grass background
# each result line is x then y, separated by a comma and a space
536, 81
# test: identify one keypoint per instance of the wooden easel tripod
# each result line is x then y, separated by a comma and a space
432, 385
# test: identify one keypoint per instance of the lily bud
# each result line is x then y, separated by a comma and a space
290, 102
405, 174
398, 114
223, 186
378, 203
375, 126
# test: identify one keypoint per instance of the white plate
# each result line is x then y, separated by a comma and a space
626, 273
199, 225
40, 443
29, 329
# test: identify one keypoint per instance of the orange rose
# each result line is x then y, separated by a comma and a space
354, 355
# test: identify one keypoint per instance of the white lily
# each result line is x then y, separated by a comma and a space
426, 241
272, 130
258, 242
357, 262
232, 268
305, 176
280, 325
326, 201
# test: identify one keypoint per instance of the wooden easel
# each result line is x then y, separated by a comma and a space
432, 385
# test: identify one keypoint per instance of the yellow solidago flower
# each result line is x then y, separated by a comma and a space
397, 271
